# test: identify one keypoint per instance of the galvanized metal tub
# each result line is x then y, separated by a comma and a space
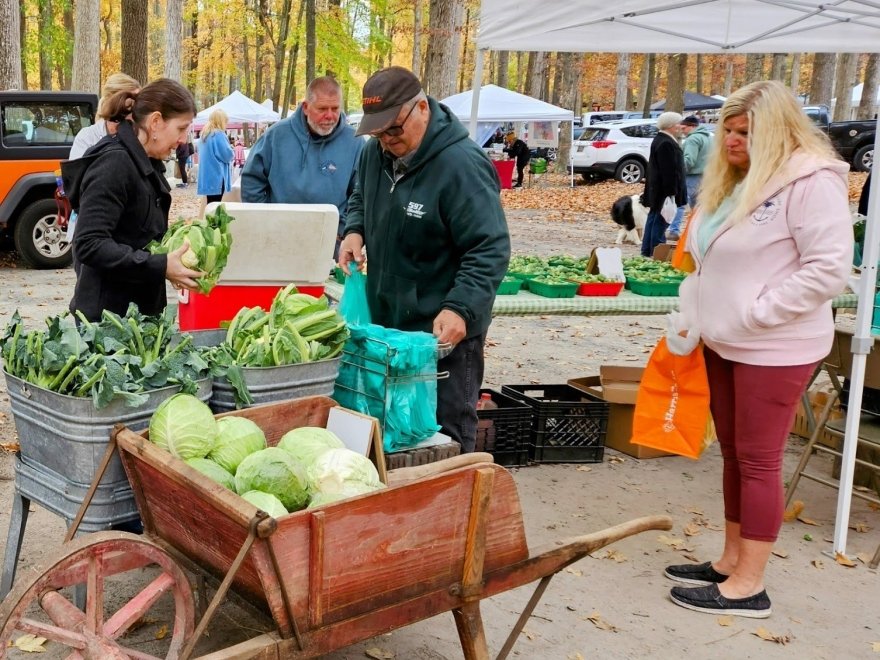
269, 384
68, 436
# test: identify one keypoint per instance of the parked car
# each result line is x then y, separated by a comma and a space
36, 132
854, 140
616, 149
602, 116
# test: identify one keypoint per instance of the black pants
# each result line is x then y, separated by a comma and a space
217, 198
457, 395
520, 166
655, 233
182, 165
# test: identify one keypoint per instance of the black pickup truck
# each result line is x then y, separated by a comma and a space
854, 140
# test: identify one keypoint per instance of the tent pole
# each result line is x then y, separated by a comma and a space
475, 97
862, 343
570, 152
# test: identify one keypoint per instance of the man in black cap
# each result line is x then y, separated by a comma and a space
428, 211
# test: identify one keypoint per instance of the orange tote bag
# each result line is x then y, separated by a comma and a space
681, 258
672, 406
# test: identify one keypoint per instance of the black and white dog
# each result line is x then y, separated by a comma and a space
629, 213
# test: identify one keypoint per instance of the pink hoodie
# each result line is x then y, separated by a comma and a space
762, 292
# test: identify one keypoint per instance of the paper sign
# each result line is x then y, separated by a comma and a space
608, 262
355, 431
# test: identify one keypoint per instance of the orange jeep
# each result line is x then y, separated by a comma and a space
36, 131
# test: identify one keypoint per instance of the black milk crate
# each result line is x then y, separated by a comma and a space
505, 431
568, 426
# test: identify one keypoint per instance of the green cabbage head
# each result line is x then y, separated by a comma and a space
305, 444
213, 471
266, 502
237, 437
274, 471
184, 426
336, 469
349, 489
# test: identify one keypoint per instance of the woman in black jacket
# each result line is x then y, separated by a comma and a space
123, 201
519, 151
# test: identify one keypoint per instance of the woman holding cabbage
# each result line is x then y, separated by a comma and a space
123, 201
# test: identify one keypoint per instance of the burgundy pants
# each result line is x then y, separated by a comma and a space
753, 407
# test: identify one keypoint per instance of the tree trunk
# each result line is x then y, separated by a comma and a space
530, 66
557, 80
846, 80
444, 40
822, 81
676, 81
754, 67
280, 51
310, 40
701, 62
648, 90
536, 74
621, 89
86, 47
502, 74
520, 78
173, 38
869, 87
10, 37
464, 50
194, 51
45, 41
545, 77
417, 37
135, 28
777, 70
569, 83
795, 80
65, 64
728, 76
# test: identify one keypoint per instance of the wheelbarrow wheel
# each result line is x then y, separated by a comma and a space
41, 603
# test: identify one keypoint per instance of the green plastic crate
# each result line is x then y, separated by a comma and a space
669, 288
553, 290
510, 288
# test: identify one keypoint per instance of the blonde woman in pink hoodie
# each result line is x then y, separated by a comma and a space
772, 241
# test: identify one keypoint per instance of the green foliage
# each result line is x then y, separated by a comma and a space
117, 357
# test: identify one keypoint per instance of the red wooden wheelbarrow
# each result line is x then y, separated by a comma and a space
440, 538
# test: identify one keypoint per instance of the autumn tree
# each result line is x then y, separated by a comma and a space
676, 82
754, 67
569, 83
870, 83
134, 39
621, 89
10, 53
442, 57
173, 38
845, 80
822, 80
86, 47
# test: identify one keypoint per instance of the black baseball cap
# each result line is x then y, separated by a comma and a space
385, 92
691, 121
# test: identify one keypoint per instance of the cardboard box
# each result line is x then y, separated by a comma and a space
619, 386
841, 357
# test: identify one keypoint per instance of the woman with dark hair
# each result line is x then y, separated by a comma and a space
123, 200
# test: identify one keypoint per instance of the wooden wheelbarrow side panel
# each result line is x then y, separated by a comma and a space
390, 547
276, 419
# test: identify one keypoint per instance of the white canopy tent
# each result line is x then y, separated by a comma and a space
712, 26
240, 109
498, 105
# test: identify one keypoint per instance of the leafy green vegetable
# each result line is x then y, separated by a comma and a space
184, 426
349, 489
209, 244
273, 470
644, 269
116, 357
237, 437
335, 469
265, 502
306, 443
213, 471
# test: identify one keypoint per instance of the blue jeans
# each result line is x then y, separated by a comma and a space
692, 181
655, 233
675, 225
457, 395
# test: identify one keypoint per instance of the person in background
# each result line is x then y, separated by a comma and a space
123, 199
238, 154
215, 157
182, 152
105, 124
772, 240
696, 147
865, 195
308, 158
518, 150
495, 138
664, 178
427, 208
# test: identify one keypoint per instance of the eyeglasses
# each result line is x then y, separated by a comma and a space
397, 129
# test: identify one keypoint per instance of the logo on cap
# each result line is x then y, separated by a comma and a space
372, 100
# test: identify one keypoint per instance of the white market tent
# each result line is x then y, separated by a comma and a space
240, 109
712, 26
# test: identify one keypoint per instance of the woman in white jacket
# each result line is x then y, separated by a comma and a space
772, 242
90, 136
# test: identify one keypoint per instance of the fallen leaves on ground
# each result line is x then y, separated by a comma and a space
843, 560
596, 619
861, 527
781, 553
726, 620
807, 521
619, 557
671, 541
30, 644
692, 529
875, 646
817, 563
10, 447
768, 636
574, 656
584, 468
556, 195
378, 654
162, 632
792, 514
864, 557
574, 571
856, 182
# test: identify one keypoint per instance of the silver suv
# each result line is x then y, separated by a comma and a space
616, 149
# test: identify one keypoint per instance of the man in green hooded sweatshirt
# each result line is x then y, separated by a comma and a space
427, 208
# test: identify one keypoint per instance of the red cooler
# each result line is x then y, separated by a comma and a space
272, 246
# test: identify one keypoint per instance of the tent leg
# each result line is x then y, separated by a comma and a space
475, 97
